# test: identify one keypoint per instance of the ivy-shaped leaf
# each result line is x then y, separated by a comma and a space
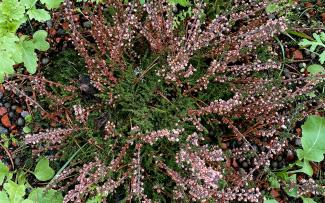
40, 15
313, 139
43, 171
28, 3
39, 40
318, 42
29, 56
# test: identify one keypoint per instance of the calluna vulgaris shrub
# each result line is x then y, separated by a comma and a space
168, 98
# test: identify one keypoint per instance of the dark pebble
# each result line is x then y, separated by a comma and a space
244, 164
7, 105
20, 121
313, 55
307, 52
1, 95
60, 32
280, 158
298, 142
1, 104
24, 114
274, 164
13, 107
45, 61
11, 114
3, 130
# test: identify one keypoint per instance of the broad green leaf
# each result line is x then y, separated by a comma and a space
4, 171
307, 200
43, 171
180, 2
12, 10
15, 192
51, 4
3, 196
39, 195
40, 15
39, 40
6, 65
29, 56
28, 3
315, 69
313, 139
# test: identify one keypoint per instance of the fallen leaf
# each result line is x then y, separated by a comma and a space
6, 121
298, 55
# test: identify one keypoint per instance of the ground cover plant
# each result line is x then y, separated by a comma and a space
164, 101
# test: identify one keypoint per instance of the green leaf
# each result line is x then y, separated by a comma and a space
4, 171
39, 40
313, 139
315, 69
40, 15
15, 192
29, 56
306, 167
29, 118
271, 8
3, 196
307, 200
291, 191
43, 171
270, 201
28, 3
180, 2
142, 2
274, 183
6, 65
27, 130
39, 195
51, 4
322, 57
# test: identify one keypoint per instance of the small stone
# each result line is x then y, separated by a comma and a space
13, 107
20, 121
313, 55
274, 164
298, 142
3, 130
1, 95
7, 105
24, 114
11, 114
45, 61
244, 164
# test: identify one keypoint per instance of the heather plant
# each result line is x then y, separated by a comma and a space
187, 113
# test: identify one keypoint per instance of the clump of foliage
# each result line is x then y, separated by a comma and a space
17, 49
15, 185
